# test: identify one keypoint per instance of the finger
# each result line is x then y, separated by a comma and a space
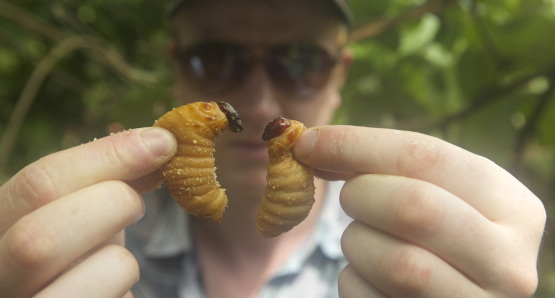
426, 215
352, 285
401, 269
392, 152
109, 272
124, 156
43, 243
447, 226
118, 239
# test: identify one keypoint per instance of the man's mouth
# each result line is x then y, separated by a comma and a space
252, 149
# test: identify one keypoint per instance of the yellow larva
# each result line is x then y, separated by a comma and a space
190, 175
289, 194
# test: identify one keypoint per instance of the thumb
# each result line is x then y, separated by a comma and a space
329, 148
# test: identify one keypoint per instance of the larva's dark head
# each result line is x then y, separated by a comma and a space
233, 118
275, 128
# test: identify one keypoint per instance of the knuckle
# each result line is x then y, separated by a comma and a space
417, 157
113, 154
418, 210
35, 185
407, 270
538, 217
525, 283
125, 152
515, 280
337, 142
30, 245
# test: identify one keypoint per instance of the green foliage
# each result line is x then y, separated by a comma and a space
85, 93
465, 73
476, 73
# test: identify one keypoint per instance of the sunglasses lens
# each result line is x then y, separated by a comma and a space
303, 69
214, 67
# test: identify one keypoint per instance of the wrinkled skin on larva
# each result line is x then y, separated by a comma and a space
289, 194
191, 175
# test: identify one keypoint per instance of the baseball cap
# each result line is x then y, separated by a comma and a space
340, 6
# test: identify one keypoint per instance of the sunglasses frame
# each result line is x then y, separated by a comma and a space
299, 68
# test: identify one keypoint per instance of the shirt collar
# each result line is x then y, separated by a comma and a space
171, 235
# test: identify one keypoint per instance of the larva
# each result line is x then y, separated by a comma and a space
289, 193
191, 175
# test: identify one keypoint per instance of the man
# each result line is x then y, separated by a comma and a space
429, 219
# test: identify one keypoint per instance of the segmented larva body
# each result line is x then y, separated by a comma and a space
191, 175
289, 193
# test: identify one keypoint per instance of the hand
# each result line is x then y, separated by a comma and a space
62, 217
430, 219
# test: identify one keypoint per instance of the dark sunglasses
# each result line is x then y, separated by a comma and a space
218, 67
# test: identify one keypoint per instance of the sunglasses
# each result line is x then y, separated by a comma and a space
219, 67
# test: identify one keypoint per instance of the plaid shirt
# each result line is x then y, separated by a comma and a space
162, 244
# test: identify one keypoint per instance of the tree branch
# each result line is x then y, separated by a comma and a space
103, 51
530, 128
490, 45
30, 91
60, 75
488, 96
27, 20
491, 95
380, 26
94, 47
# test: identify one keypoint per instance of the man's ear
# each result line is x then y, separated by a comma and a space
345, 61
171, 54
171, 49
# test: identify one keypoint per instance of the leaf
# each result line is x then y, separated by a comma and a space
415, 37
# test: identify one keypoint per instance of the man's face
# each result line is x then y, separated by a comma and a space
241, 158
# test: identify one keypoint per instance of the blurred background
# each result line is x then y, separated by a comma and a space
479, 74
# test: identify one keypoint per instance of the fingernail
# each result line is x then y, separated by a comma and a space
305, 144
159, 142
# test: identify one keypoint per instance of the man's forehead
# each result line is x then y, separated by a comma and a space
255, 21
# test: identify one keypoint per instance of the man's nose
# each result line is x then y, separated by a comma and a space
259, 95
